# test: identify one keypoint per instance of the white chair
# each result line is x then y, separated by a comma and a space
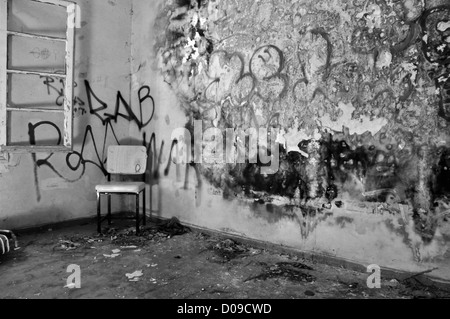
123, 160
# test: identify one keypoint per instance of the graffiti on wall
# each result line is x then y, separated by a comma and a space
92, 148
356, 91
56, 87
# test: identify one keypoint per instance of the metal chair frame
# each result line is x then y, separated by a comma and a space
109, 216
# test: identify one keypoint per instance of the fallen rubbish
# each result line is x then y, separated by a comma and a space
353, 285
70, 286
68, 245
128, 247
172, 227
228, 249
392, 283
309, 293
135, 275
286, 270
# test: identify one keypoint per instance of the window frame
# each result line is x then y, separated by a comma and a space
67, 109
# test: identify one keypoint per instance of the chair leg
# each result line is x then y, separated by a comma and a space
99, 217
109, 209
144, 217
137, 214
150, 196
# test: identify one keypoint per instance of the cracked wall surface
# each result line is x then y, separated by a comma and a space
356, 91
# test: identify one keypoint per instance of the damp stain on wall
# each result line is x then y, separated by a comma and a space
357, 93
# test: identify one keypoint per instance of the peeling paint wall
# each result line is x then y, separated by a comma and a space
356, 95
353, 94
42, 188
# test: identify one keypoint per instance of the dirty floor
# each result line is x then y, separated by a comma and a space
169, 261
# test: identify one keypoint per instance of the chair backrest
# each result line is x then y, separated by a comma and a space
126, 159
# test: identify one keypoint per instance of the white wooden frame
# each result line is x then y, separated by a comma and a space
67, 109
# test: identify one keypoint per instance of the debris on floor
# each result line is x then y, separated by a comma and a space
228, 249
135, 275
202, 236
70, 286
172, 227
422, 287
253, 251
161, 231
67, 245
177, 269
309, 293
392, 283
290, 271
128, 247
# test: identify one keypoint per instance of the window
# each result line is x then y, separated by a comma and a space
12, 113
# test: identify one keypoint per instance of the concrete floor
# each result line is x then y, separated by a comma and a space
188, 266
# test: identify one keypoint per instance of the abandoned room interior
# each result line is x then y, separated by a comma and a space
224, 148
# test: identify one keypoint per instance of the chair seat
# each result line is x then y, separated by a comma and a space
120, 187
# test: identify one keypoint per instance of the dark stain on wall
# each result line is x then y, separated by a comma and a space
358, 93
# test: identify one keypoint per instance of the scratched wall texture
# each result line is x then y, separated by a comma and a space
358, 93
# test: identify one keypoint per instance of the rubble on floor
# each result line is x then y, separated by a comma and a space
420, 287
155, 232
228, 249
287, 270
151, 265
127, 237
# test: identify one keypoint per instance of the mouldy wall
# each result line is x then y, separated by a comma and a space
47, 188
357, 96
